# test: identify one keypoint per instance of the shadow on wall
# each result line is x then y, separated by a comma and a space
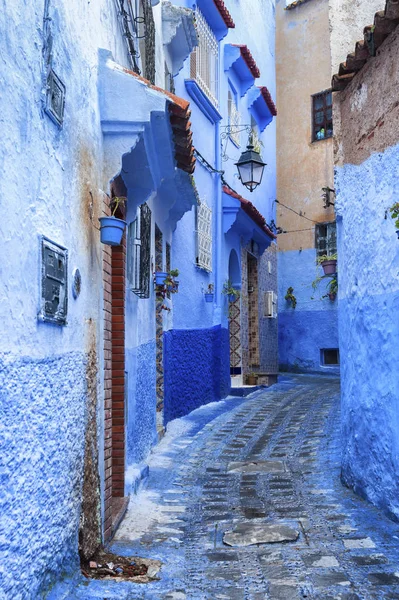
197, 369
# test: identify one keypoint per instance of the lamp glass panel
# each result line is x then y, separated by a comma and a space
245, 171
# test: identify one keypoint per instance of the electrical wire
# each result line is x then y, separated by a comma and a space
294, 231
295, 212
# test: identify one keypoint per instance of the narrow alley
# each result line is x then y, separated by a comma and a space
270, 459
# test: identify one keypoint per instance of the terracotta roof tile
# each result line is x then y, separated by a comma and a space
251, 211
385, 22
269, 101
179, 115
249, 59
295, 4
226, 16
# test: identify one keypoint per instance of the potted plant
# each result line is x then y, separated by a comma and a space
290, 297
394, 210
165, 282
171, 283
332, 286
332, 289
328, 262
231, 292
160, 277
111, 228
252, 379
209, 293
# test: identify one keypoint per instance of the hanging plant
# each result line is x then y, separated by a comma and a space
111, 228
290, 297
166, 282
328, 263
231, 292
394, 210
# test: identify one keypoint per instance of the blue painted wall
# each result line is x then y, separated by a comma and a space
42, 429
197, 369
369, 328
141, 431
313, 324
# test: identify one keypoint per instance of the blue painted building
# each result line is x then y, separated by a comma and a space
367, 163
152, 105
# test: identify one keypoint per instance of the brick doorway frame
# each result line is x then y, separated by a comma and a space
114, 281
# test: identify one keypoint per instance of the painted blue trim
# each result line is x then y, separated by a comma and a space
234, 61
214, 18
202, 101
259, 109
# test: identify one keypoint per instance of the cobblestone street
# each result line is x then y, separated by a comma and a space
285, 444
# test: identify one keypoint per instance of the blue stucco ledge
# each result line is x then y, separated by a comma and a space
261, 106
214, 18
233, 60
236, 220
202, 101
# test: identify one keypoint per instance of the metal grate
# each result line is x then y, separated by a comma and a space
204, 236
204, 59
139, 253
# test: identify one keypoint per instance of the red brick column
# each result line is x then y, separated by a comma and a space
107, 279
118, 368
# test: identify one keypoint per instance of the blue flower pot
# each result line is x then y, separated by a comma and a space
397, 233
208, 297
160, 277
111, 230
232, 297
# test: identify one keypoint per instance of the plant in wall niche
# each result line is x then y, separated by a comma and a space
111, 228
290, 297
328, 262
394, 210
231, 292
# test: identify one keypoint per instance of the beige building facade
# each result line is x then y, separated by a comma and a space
311, 38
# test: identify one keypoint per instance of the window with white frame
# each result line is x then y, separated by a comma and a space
204, 236
234, 117
326, 239
270, 305
204, 59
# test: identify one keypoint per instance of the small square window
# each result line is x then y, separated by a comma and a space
330, 357
322, 125
55, 98
54, 296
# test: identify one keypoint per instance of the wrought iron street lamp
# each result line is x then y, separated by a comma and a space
250, 166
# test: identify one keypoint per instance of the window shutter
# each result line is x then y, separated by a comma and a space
204, 236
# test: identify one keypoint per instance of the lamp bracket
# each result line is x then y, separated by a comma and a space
225, 135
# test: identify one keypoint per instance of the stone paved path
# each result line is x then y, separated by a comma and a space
346, 549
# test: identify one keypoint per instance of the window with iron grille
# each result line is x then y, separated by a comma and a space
234, 118
326, 239
322, 116
139, 253
204, 59
204, 236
